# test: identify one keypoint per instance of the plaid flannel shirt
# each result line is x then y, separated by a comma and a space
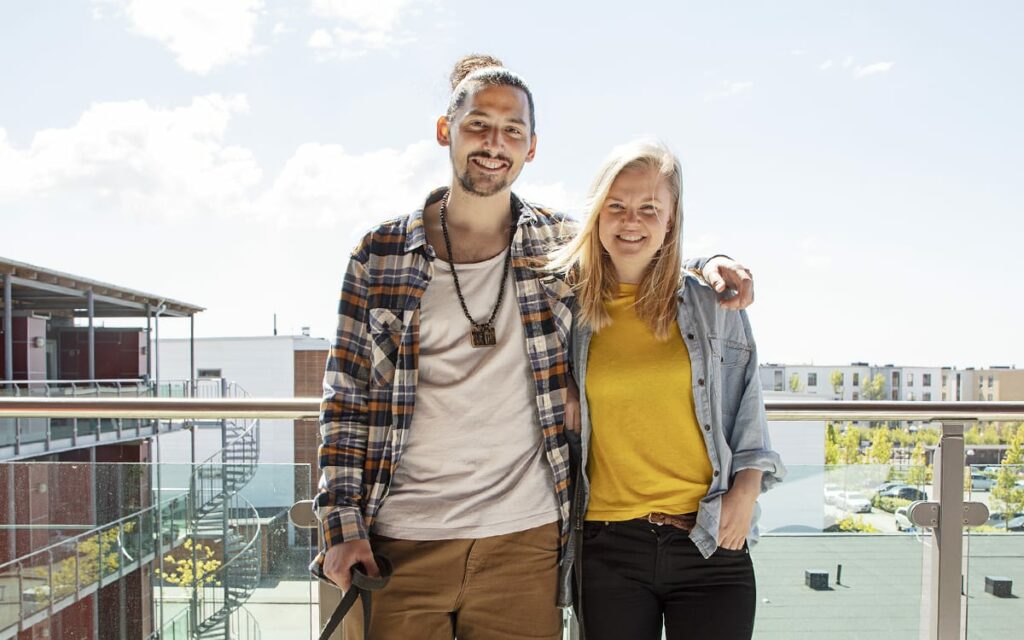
372, 368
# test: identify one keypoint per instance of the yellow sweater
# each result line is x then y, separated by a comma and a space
647, 453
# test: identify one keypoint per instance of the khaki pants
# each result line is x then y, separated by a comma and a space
498, 588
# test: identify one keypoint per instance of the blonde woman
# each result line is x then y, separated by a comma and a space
674, 442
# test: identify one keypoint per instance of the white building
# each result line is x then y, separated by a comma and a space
265, 367
847, 382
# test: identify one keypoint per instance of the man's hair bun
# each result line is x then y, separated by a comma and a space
470, 63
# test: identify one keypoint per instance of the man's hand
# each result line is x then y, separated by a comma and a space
342, 557
738, 509
573, 420
724, 273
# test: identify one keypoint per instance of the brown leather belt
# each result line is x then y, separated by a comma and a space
684, 521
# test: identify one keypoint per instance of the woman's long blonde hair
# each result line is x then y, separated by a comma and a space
589, 268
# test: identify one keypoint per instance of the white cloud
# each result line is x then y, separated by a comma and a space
728, 89
134, 159
848, 62
797, 52
553, 195
202, 34
379, 15
345, 44
825, 66
872, 69
139, 159
364, 27
323, 185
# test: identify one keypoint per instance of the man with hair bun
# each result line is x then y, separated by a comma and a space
446, 388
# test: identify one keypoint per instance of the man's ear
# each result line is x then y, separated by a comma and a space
533, 148
444, 132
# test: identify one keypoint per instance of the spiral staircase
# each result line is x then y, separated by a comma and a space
220, 516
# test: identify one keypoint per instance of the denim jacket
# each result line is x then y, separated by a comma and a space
729, 408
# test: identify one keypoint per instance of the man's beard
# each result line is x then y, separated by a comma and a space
481, 186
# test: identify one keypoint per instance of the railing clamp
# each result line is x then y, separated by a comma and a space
926, 514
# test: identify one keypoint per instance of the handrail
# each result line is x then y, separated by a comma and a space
217, 408
89, 533
71, 380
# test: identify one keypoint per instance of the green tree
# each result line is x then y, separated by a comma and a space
873, 388
831, 445
880, 451
920, 473
973, 435
1006, 495
794, 383
837, 382
849, 446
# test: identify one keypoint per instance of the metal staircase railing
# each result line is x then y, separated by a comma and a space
220, 513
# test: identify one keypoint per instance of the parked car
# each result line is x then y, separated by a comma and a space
999, 519
885, 486
905, 492
903, 523
981, 482
855, 502
833, 494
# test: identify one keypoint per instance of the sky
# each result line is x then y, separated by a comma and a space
865, 159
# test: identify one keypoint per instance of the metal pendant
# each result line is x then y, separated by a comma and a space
483, 335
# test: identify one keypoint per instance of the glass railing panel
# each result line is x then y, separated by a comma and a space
994, 553
10, 598
33, 430
221, 548
834, 561
34, 583
241, 549
8, 429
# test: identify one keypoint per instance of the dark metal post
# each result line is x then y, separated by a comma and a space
192, 354
8, 330
225, 523
92, 334
149, 343
156, 356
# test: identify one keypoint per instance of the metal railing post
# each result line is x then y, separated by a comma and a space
945, 603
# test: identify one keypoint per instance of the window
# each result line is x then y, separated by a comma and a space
910, 379
926, 379
945, 379
856, 378
910, 396
208, 373
812, 379
895, 378
927, 397
990, 381
856, 395
778, 380
895, 394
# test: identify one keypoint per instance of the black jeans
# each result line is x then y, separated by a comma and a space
636, 575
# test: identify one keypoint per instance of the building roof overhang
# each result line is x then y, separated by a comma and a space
46, 291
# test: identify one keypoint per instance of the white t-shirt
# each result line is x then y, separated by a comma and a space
473, 464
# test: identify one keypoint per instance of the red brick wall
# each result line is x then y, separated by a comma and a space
309, 377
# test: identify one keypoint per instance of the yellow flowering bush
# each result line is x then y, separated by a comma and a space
185, 572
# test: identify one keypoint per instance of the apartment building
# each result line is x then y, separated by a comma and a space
854, 381
51, 345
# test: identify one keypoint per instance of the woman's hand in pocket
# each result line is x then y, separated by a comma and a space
738, 509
